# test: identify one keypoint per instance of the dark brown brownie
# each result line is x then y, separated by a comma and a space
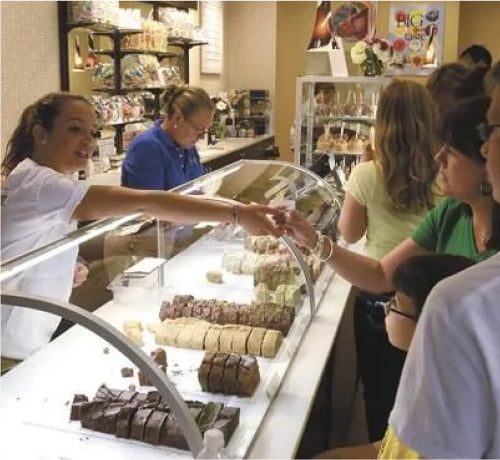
207, 311
227, 421
204, 370
187, 311
154, 426
86, 414
139, 423
154, 396
243, 315
123, 421
230, 378
127, 372
127, 396
140, 398
167, 432
182, 298
248, 375
98, 416
80, 398
230, 314
217, 314
76, 410
111, 417
215, 378
159, 356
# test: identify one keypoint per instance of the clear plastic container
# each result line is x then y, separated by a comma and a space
213, 445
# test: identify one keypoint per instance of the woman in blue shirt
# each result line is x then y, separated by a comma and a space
165, 156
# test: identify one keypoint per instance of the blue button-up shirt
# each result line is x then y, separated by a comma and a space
154, 161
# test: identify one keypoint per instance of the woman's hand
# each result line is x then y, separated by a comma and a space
256, 221
299, 229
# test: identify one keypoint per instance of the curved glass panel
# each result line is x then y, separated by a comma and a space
193, 289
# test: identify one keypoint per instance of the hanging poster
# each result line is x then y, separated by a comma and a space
416, 33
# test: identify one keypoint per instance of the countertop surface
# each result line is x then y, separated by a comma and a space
224, 147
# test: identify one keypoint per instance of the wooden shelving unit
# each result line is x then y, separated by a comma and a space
117, 53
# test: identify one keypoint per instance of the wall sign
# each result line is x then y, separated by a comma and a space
416, 32
212, 22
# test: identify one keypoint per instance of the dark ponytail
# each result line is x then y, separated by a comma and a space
42, 112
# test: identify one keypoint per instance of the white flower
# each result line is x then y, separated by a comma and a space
382, 51
358, 52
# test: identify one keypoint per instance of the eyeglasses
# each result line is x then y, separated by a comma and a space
485, 131
199, 131
389, 307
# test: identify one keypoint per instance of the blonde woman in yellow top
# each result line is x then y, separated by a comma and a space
386, 199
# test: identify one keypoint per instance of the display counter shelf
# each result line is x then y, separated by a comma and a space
79, 361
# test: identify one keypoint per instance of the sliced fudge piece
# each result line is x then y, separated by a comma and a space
204, 370
248, 375
124, 419
159, 356
255, 341
271, 343
111, 417
154, 426
212, 338
215, 378
230, 379
226, 338
240, 339
198, 337
227, 421
138, 424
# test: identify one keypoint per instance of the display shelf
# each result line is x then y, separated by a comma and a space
185, 42
124, 123
95, 27
349, 118
158, 54
338, 152
117, 31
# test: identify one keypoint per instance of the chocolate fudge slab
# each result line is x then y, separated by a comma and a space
230, 379
215, 378
111, 418
227, 421
248, 375
124, 419
204, 370
153, 427
138, 424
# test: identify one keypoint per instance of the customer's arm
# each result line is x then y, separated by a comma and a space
365, 272
108, 201
352, 222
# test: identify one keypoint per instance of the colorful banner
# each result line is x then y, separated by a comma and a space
416, 32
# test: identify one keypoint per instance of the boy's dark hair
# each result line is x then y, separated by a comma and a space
416, 276
477, 54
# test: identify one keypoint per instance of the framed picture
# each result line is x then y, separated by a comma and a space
416, 31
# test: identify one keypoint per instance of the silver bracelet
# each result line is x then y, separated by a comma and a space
333, 247
319, 244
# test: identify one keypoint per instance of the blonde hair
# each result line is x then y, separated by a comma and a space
405, 145
185, 99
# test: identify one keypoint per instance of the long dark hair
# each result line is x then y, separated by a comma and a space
460, 132
42, 112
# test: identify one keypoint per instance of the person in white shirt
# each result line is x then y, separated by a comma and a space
41, 202
448, 403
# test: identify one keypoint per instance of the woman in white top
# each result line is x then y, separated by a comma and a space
41, 202
387, 197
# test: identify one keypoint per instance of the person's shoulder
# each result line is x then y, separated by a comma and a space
145, 140
31, 173
365, 170
470, 288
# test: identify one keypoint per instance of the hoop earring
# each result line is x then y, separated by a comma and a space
485, 188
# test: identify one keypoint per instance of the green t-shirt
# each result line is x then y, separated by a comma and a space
447, 229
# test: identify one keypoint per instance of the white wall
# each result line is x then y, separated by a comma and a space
30, 58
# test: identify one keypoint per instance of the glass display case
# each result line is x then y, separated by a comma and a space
334, 123
228, 309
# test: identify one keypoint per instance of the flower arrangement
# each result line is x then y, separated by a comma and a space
371, 54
